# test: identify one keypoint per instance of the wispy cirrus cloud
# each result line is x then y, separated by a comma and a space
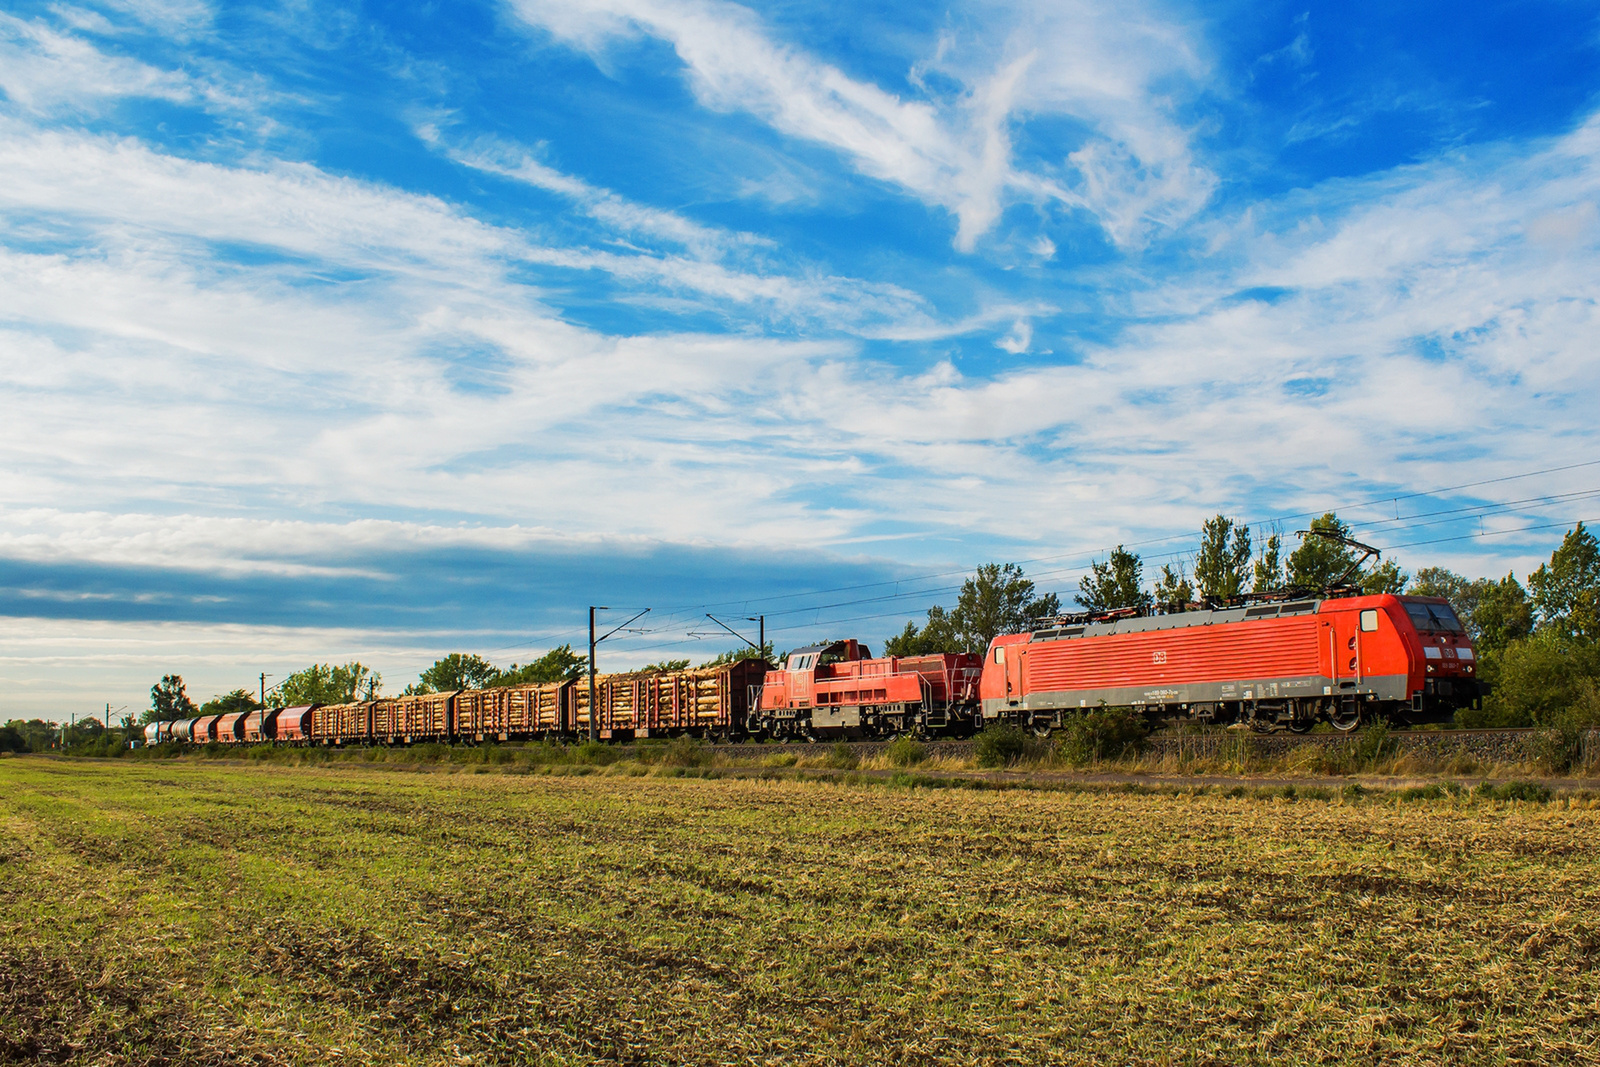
44, 70
1091, 62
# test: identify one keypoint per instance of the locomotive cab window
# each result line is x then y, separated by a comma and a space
1000, 654
1369, 621
1434, 618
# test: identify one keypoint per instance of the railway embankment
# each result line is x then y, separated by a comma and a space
1519, 746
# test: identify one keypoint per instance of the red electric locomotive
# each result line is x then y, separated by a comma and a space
839, 690
1344, 659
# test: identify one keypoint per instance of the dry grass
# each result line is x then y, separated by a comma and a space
193, 913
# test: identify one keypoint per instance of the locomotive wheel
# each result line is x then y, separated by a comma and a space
1299, 726
1345, 717
1041, 728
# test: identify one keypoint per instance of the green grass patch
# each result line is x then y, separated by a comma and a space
197, 912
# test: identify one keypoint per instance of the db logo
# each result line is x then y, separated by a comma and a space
1158, 657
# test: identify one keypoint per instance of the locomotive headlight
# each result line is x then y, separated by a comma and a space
1430, 668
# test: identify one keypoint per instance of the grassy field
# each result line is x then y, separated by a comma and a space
186, 912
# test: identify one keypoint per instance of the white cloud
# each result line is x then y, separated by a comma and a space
1018, 340
498, 157
746, 439
45, 70
1090, 62
110, 189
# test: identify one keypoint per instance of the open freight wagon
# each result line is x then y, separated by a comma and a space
513, 712
711, 702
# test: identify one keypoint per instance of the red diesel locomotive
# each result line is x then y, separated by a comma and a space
1343, 659
839, 690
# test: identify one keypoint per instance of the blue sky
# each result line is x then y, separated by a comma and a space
331, 331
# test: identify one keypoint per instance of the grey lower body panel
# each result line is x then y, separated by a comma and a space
1265, 690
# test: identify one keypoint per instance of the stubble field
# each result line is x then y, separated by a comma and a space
195, 913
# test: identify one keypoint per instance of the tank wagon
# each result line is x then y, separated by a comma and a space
257, 725
839, 690
1343, 659
291, 725
229, 729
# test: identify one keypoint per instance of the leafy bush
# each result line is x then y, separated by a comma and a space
1373, 745
543, 752
1536, 681
906, 752
594, 753
1102, 734
1002, 744
1532, 791
1564, 744
842, 757
688, 752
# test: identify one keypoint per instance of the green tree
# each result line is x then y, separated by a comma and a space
456, 671
37, 735
1116, 583
1537, 681
1502, 614
932, 639
666, 665
1267, 574
1173, 590
1462, 593
557, 665
228, 703
1566, 591
323, 683
1224, 559
997, 599
1386, 577
168, 701
1319, 562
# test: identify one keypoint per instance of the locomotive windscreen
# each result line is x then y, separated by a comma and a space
1434, 618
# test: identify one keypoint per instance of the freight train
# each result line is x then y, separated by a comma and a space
1285, 663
